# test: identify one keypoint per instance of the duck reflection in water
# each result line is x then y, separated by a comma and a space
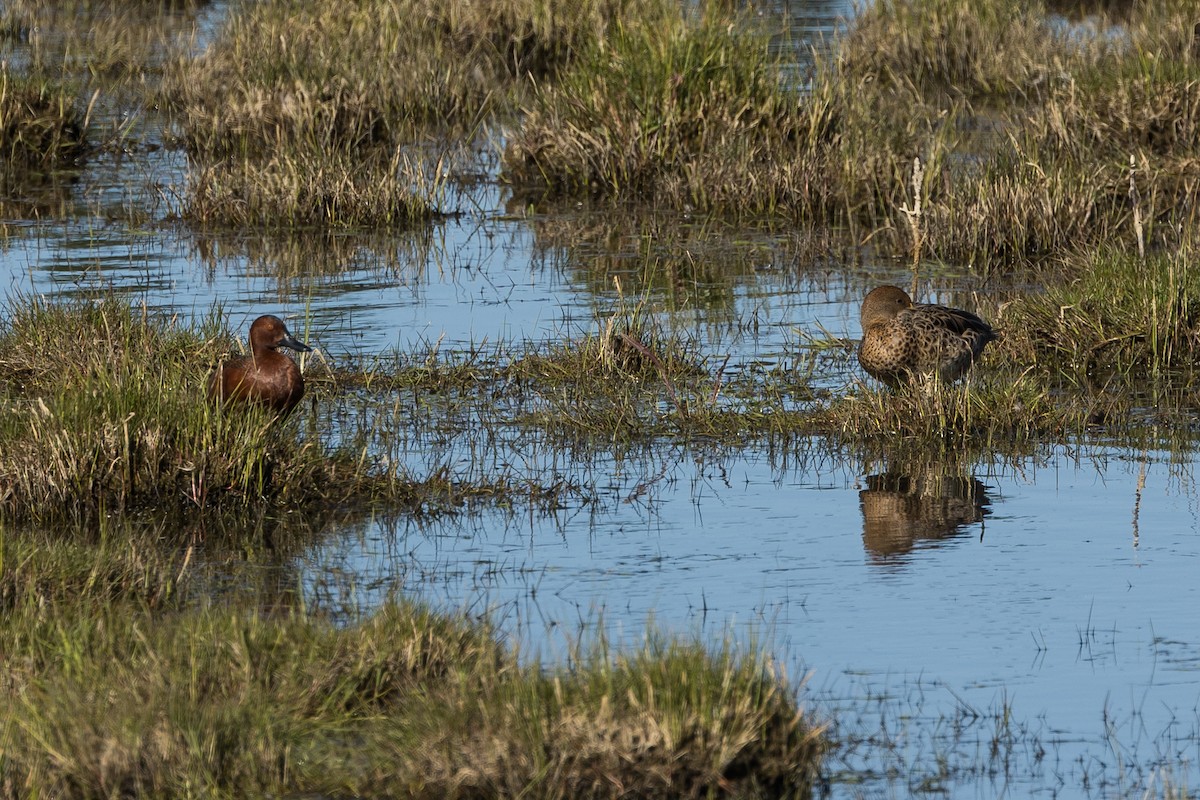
899, 511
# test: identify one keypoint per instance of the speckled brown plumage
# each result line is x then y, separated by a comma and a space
902, 340
266, 376
901, 510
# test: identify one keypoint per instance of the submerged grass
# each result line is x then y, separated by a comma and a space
894, 737
634, 381
118, 681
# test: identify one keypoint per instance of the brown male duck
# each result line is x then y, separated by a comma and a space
266, 376
903, 340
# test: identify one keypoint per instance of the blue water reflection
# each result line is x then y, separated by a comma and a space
1029, 583
1053, 601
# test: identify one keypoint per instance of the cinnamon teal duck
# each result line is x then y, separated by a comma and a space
266, 376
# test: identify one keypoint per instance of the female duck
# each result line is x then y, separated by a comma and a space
266, 376
902, 339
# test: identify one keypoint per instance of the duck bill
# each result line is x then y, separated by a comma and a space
293, 343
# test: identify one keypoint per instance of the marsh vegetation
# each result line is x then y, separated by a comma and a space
1039, 168
127, 676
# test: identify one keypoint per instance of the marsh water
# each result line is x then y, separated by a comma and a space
1021, 626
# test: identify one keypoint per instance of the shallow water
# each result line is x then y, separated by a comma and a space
1024, 628
936, 591
1032, 587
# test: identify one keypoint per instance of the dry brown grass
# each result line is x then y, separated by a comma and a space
1066, 140
373, 73
116, 46
303, 114
327, 191
970, 50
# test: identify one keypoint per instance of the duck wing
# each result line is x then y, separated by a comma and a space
958, 321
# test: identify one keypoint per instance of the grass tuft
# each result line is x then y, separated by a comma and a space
974, 50
40, 126
103, 409
302, 113
233, 701
393, 192
1120, 315
682, 107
